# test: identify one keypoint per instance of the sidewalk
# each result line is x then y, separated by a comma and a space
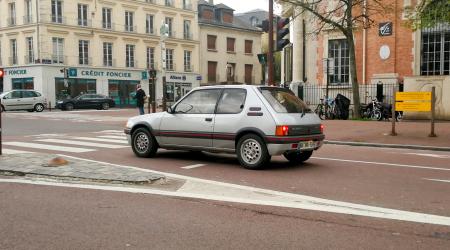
410, 134
36, 165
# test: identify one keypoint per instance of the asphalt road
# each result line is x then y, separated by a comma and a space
54, 217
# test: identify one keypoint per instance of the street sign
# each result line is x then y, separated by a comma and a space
413, 96
328, 66
413, 106
73, 72
144, 75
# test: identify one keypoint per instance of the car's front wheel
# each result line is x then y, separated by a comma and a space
105, 106
143, 143
68, 106
39, 107
298, 157
252, 152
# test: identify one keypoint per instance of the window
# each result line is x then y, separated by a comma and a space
28, 12
129, 21
14, 59
169, 22
248, 46
169, 3
149, 24
130, 56
106, 18
187, 61
230, 44
83, 52
232, 101
12, 14
187, 5
30, 50
107, 55
82, 15
254, 21
212, 72
338, 50
248, 74
169, 60
199, 102
211, 42
231, 72
150, 58
283, 101
435, 52
288, 63
58, 50
57, 11
187, 30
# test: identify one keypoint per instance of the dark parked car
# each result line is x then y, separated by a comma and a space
86, 101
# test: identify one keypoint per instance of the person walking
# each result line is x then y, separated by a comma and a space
140, 99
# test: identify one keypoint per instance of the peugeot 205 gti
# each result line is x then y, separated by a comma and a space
255, 122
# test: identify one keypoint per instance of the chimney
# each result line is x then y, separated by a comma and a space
211, 2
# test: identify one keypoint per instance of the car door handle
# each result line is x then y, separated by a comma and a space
208, 119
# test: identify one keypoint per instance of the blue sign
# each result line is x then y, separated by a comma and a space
199, 78
73, 72
144, 75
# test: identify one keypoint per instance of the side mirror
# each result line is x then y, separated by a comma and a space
170, 110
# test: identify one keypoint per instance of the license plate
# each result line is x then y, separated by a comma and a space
306, 145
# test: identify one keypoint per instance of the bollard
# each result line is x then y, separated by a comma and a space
50, 106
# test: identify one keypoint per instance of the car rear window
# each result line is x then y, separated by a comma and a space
284, 101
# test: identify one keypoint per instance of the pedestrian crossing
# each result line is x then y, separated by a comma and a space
66, 143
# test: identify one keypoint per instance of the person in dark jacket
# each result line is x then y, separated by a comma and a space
140, 99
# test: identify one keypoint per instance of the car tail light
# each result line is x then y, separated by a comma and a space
282, 130
321, 128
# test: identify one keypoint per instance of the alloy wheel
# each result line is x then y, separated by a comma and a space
251, 151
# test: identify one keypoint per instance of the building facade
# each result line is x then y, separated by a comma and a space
228, 45
389, 52
107, 45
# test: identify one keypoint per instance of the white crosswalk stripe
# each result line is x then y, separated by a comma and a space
82, 143
113, 137
124, 141
48, 147
7, 151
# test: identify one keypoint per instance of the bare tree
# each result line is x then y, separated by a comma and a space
346, 16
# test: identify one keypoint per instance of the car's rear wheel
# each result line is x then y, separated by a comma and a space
252, 152
39, 107
298, 157
68, 106
105, 106
143, 143
2, 109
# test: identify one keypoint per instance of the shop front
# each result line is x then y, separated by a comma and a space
123, 92
74, 87
178, 85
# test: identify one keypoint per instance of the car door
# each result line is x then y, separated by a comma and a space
28, 99
192, 121
229, 118
12, 101
83, 102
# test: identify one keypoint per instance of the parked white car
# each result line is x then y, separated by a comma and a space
255, 122
22, 99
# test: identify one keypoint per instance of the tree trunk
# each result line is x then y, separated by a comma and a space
354, 76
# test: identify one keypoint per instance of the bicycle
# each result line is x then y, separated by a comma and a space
326, 109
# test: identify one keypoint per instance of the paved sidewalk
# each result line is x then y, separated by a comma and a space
411, 134
35, 165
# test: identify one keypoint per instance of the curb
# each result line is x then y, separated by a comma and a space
381, 145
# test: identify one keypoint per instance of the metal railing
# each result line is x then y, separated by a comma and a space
56, 59
27, 19
188, 68
129, 28
13, 60
187, 36
11, 21
109, 63
108, 26
171, 67
86, 61
29, 59
84, 22
131, 64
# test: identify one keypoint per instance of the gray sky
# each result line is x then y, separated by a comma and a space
245, 5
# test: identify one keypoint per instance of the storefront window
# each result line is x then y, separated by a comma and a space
123, 92
175, 91
23, 83
74, 87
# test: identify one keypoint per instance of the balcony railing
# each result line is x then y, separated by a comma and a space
129, 28
131, 64
109, 63
109, 26
58, 19
187, 6
188, 36
57, 59
188, 68
13, 60
171, 66
84, 22
150, 31
27, 19
85, 61
29, 59
169, 3
12, 21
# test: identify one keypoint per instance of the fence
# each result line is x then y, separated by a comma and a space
311, 93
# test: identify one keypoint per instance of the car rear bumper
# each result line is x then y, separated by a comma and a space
277, 145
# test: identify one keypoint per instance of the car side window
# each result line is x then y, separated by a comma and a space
16, 94
28, 94
199, 102
232, 101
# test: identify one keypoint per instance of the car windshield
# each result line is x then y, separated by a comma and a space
284, 101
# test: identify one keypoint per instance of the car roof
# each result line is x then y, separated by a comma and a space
241, 86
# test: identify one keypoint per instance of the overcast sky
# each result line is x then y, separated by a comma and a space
245, 5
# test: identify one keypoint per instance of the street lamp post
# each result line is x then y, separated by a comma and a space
164, 31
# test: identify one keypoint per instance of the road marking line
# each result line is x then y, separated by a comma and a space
82, 143
382, 163
113, 137
194, 166
48, 147
109, 131
430, 155
101, 140
13, 151
437, 180
266, 198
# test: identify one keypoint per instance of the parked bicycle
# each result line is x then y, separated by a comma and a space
326, 109
379, 111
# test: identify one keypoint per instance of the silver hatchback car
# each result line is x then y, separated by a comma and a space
255, 122
22, 99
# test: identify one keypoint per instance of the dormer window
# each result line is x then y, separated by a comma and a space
254, 21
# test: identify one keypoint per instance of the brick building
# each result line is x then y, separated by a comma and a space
389, 52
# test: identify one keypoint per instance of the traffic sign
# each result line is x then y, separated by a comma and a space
73, 72
413, 96
413, 106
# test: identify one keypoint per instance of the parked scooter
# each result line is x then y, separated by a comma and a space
379, 111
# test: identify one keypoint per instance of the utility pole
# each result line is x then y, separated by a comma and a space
270, 52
